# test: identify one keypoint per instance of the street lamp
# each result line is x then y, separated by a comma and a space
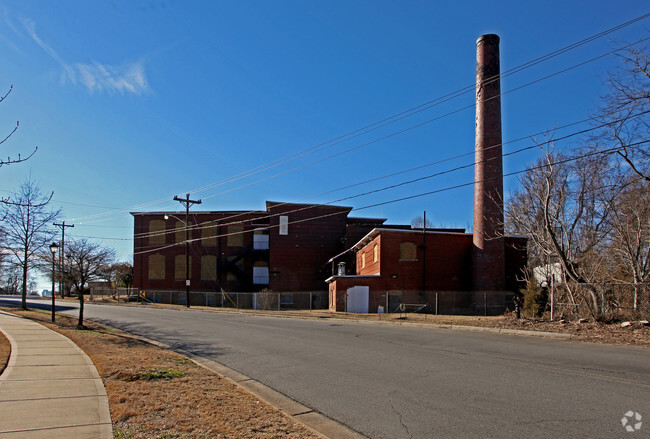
53, 248
187, 257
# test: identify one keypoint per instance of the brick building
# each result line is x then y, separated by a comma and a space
416, 267
284, 248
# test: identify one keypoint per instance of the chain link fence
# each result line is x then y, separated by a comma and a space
451, 302
608, 301
611, 301
265, 300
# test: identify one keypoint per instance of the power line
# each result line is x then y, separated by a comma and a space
199, 226
444, 189
427, 105
431, 120
394, 118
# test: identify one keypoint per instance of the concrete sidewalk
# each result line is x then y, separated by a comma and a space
50, 388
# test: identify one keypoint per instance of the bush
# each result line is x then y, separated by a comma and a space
534, 298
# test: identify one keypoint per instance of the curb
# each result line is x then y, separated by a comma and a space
314, 421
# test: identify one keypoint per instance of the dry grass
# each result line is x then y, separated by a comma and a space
155, 393
5, 351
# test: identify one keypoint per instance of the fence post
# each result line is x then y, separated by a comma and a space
278, 301
310, 300
552, 301
436, 303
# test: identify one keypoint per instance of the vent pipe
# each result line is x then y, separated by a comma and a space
488, 258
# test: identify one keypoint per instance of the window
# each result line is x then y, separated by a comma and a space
408, 251
284, 225
208, 267
261, 239
363, 260
157, 267
261, 273
179, 266
209, 235
237, 266
375, 253
180, 231
235, 236
156, 232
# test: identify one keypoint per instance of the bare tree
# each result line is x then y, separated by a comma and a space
11, 279
559, 207
625, 111
122, 274
87, 261
418, 222
9, 160
27, 228
588, 212
630, 243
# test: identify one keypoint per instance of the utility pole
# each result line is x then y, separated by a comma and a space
187, 203
63, 225
424, 257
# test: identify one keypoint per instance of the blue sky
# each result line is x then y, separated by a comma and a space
133, 102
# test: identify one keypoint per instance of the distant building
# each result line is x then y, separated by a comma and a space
547, 275
284, 248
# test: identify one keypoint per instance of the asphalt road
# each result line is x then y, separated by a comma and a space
398, 382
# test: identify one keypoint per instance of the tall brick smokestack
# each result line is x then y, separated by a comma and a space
488, 257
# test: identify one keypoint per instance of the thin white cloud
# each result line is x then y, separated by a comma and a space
128, 78
8, 25
97, 77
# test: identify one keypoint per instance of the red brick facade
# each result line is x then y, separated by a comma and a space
284, 248
407, 266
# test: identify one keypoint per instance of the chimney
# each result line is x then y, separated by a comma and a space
488, 257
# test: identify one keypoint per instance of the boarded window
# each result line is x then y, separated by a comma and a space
284, 225
209, 235
156, 267
180, 231
235, 236
408, 251
179, 267
208, 267
156, 232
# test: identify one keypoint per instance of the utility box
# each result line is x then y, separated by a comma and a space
357, 299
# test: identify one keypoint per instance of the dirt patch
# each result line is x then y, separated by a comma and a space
155, 393
636, 333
